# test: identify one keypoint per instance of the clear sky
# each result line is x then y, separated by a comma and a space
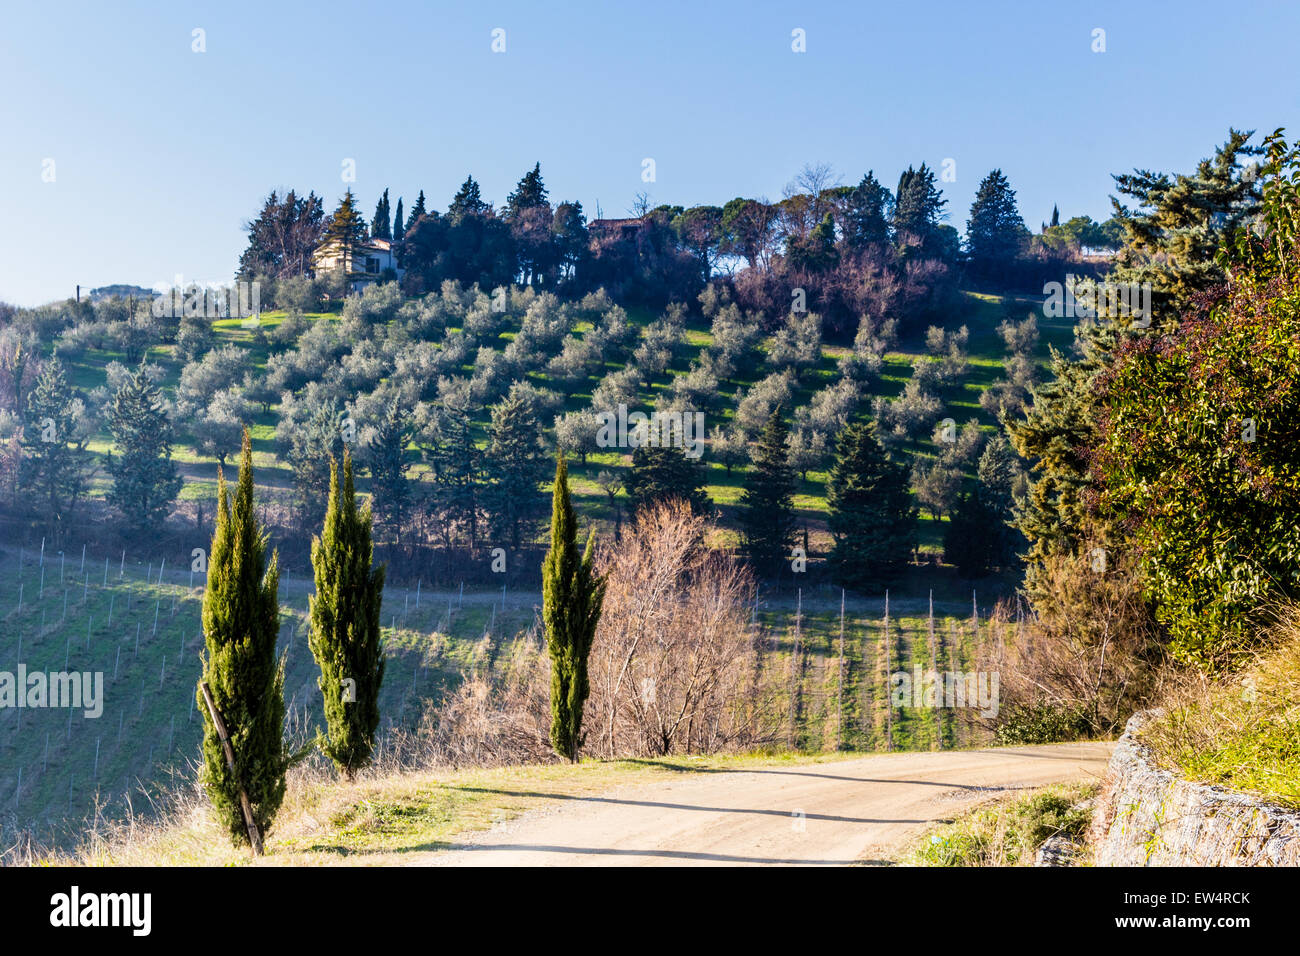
161, 154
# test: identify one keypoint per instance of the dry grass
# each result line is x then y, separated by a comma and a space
1241, 731
382, 818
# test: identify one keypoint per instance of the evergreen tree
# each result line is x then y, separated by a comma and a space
417, 211
872, 518
572, 598
457, 464
1171, 241
918, 204
54, 466
241, 620
398, 231
516, 465
662, 473
467, 202
816, 251
980, 537
767, 518
995, 230
1056, 217
530, 193
347, 228
1174, 232
381, 224
345, 637
389, 486
866, 213
283, 237
145, 481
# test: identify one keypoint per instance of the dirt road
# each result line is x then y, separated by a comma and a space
817, 814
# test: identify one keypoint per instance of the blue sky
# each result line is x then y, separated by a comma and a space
161, 154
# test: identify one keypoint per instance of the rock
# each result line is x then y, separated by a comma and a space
1146, 816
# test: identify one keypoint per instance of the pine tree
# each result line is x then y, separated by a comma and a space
399, 230
55, 466
995, 230
381, 225
918, 204
417, 211
389, 486
767, 518
145, 481
345, 637
347, 228
530, 193
661, 473
467, 202
241, 620
516, 463
872, 518
1179, 223
980, 537
866, 214
572, 599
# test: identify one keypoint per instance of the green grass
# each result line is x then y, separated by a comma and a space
149, 730
1009, 832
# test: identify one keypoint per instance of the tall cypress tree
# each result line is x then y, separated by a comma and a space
241, 619
144, 476
399, 224
767, 503
872, 516
572, 598
381, 225
345, 636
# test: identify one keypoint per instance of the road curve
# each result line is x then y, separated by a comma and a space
839, 812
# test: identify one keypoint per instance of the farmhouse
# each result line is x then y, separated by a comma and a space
366, 262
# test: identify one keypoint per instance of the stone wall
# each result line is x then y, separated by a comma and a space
1146, 816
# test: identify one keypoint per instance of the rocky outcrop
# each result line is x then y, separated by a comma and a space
1146, 816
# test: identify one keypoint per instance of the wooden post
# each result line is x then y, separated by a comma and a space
254, 837
889, 699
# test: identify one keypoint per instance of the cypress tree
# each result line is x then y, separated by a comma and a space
241, 619
767, 503
345, 636
399, 230
872, 517
572, 598
381, 225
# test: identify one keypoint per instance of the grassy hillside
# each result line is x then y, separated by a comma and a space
140, 626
